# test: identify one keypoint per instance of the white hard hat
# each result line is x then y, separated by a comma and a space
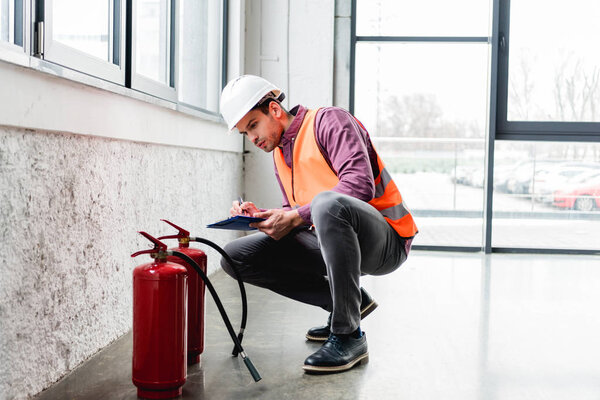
242, 94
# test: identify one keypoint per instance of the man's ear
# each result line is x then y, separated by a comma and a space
275, 109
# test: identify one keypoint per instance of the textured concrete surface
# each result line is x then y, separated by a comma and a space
70, 208
448, 326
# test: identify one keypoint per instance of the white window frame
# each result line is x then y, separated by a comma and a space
72, 58
143, 84
214, 48
11, 52
69, 63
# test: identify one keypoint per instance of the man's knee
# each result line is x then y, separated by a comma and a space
329, 203
324, 201
226, 265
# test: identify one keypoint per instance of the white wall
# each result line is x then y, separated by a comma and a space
289, 43
81, 171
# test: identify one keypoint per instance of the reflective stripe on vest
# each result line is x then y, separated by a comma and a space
311, 174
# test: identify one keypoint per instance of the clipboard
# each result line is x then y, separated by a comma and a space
237, 223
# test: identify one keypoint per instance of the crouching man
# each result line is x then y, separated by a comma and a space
342, 215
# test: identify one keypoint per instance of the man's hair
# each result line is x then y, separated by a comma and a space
263, 104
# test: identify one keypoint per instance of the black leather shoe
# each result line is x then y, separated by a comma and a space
321, 333
338, 353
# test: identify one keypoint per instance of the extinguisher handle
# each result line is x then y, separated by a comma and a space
170, 237
158, 245
181, 234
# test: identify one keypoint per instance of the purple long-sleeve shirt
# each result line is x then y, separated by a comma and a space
346, 147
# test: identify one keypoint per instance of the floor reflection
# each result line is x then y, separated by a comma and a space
449, 326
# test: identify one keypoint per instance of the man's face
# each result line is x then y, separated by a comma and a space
261, 129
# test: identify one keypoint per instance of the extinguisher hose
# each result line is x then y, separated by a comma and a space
213, 292
232, 263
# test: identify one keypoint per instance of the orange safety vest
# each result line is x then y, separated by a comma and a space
311, 175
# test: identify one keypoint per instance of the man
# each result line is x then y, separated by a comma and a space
342, 215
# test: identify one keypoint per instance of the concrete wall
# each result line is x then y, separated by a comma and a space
291, 44
73, 196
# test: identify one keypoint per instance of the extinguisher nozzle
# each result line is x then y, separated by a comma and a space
251, 368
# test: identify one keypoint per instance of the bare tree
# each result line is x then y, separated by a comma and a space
576, 96
520, 88
417, 115
576, 91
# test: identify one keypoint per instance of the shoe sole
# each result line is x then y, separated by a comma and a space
369, 308
313, 369
316, 338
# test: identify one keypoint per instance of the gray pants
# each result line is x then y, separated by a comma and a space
323, 266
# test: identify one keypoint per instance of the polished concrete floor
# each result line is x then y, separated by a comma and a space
449, 326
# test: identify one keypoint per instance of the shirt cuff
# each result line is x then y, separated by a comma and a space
305, 214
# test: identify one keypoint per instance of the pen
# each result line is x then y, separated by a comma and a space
240, 200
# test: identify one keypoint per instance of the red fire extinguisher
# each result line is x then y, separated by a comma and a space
159, 365
196, 289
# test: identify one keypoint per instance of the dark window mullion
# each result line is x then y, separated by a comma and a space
128, 42
503, 47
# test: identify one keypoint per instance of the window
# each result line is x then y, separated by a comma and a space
200, 53
552, 74
153, 46
86, 35
411, 18
445, 119
421, 91
170, 49
11, 21
545, 161
153, 36
549, 81
428, 124
550, 191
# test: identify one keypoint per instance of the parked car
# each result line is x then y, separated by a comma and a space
504, 173
469, 175
476, 178
582, 196
557, 178
521, 180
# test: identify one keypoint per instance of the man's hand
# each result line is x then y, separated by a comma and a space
246, 208
278, 222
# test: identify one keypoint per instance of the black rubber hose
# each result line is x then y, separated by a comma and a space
232, 263
215, 296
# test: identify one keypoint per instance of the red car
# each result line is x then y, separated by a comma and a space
583, 196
